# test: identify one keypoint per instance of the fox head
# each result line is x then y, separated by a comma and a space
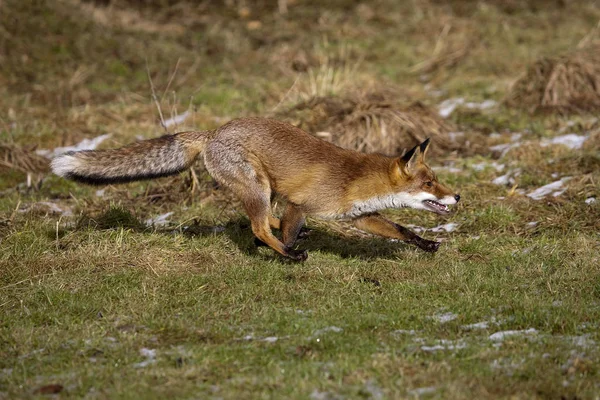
417, 185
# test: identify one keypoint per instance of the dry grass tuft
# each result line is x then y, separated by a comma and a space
567, 83
23, 160
370, 124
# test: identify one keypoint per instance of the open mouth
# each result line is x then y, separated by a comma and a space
436, 206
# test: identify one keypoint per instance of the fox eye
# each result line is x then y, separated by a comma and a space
429, 184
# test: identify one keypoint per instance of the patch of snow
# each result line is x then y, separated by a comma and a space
404, 332
504, 180
483, 324
478, 325
582, 341
320, 332
504, 148
433, 348
499, 336
445, 345
515, 136
178, 119
455, 135
160, 220
327, 329
545, 190
443, 318
484, 105
482, 165
449, 227
422, 391
590, 200
572, 141
268, 339
448, 106
416, 228
85, 144
149, 354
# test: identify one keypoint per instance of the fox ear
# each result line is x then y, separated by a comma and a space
409, 159
424, 147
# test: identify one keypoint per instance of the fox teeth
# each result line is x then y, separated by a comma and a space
438, 205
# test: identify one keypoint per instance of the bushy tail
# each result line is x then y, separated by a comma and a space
163, 156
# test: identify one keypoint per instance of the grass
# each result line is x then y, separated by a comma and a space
103, 306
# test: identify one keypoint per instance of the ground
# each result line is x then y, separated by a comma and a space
102, 295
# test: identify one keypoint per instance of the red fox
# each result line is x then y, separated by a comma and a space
258, 157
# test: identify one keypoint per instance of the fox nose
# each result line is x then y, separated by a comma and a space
457, 197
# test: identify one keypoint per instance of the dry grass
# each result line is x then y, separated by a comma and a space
449, 50
23, 160
567, 83
83, 293
371, 125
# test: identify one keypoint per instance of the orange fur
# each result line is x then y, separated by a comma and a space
257, 157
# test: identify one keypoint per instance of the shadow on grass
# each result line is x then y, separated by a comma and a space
240, 233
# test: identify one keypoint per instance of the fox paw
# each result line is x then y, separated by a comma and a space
296, 255
304, 233
426, 245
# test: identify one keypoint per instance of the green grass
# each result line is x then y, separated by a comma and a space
107, 307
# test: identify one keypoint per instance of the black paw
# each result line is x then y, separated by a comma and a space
304, 233
426, 245
296, 255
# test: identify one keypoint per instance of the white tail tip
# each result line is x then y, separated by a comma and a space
64, 165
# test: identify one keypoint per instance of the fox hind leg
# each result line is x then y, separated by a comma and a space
258, 210
236, 170
291, 224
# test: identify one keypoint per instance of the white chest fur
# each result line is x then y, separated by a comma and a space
394, 200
